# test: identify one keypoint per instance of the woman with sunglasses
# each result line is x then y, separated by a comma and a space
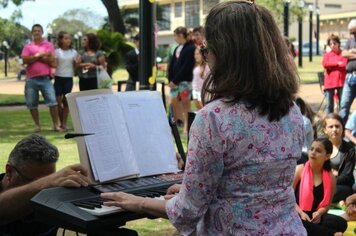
245, 141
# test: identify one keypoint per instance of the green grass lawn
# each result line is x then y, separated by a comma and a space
17, 123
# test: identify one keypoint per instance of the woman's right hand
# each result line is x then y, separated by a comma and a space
304, 216
171, 191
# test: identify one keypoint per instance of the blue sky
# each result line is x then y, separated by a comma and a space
44, 11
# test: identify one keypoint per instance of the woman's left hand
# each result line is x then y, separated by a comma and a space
316, 217
124, 200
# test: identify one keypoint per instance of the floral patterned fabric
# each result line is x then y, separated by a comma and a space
239, 173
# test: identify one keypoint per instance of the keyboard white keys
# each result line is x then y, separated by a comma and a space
104, 210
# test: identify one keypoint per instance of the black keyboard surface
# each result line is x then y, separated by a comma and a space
64, 206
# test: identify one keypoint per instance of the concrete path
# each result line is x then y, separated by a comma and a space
309, 92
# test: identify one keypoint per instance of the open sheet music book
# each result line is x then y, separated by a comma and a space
131, 134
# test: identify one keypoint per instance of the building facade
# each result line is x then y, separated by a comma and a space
334, 16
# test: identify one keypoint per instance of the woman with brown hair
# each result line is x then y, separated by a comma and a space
245, 141
88, 60
335, 72
314, 186
342, 157
180, 75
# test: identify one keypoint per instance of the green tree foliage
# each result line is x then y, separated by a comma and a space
91, 19
276, 7
15, 34
115, 46
70, 26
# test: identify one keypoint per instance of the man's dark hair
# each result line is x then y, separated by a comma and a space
37, 25
33, 148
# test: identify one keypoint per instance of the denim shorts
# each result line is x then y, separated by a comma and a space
183, 90
36, 84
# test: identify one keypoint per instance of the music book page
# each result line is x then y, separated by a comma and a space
150, 132
131, 135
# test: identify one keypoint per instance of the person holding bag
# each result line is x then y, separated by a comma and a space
87, 62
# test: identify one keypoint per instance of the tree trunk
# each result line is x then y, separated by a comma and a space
115, 18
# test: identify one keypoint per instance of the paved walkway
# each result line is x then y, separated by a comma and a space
309, 92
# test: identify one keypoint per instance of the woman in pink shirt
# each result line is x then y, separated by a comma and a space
335, 72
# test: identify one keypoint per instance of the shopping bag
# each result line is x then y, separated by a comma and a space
103, 78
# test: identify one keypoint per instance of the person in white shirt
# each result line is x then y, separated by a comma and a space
63, 82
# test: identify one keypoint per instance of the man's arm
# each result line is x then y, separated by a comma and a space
28, 60
349, 54
348, 134
15, 202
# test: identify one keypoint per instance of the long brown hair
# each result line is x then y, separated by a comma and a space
251, 59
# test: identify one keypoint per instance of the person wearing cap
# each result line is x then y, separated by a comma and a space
131, 64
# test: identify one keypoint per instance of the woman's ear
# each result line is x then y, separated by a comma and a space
328, 156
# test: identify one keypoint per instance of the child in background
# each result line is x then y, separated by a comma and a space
63, 80
200, 72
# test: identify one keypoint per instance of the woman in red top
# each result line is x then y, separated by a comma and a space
335, 72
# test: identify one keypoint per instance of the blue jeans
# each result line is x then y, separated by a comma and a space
329, 94
36, 84
348, 95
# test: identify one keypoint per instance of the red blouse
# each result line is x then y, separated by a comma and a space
335, 72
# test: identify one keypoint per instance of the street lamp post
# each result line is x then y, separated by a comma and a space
317, 30
76, 41
286, 17
49, 33
311, 33
147, 56
300, 34
80, 34
6, 51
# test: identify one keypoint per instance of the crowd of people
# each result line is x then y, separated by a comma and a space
44, 62
260, 161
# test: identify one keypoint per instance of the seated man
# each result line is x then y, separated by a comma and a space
30, 168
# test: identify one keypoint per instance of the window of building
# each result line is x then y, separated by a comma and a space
165, 22
208, 4
333, 6
192, 18
178, 9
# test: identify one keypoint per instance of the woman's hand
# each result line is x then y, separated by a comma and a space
334, 172
124, 200
351, 209
304, 216
316, 217
171, 191
172, 85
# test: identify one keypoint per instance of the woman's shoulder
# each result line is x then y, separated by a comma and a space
347, 146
